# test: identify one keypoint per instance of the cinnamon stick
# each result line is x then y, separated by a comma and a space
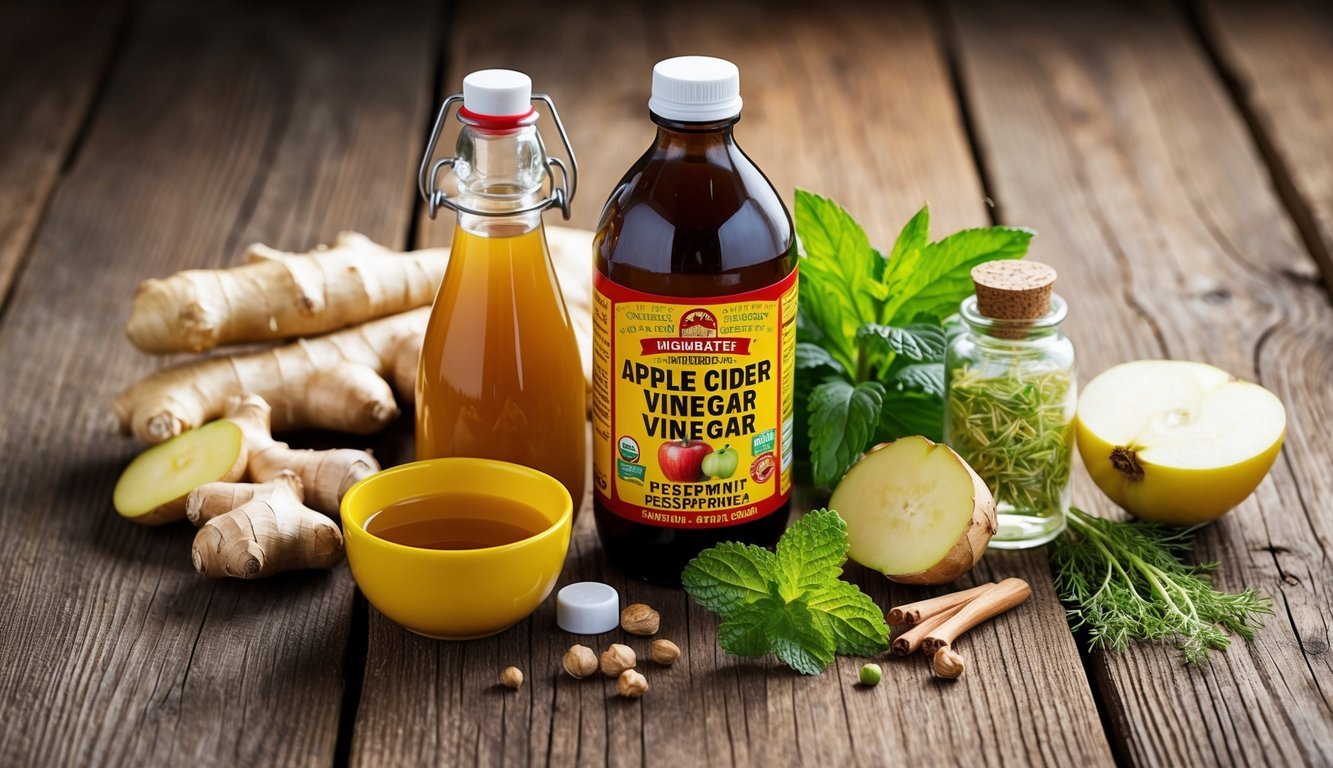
988, 605
914, 613
909, 641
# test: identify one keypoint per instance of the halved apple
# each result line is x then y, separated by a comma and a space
1177, 442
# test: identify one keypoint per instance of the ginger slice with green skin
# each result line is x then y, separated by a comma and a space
153, 488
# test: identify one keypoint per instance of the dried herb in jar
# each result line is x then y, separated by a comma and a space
1016, 432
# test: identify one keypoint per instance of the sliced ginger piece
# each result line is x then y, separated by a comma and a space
153, 488
915, 511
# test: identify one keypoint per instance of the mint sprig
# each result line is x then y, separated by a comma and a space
791, 603
871, 330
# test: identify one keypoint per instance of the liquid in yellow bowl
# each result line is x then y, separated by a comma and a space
457, 548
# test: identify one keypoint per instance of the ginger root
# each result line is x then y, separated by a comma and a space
212, 500
335, 381
272, 532
324, 475
282, 295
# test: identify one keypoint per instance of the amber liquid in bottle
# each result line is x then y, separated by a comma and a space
693, 217
500, 374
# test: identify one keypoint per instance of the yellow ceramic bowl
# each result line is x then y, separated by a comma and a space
457, 594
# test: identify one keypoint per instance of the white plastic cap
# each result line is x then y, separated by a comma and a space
587, 608
497, 93
696, 89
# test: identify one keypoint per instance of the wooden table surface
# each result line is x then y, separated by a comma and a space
1177, 161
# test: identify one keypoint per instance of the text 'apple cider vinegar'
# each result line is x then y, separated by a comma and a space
694, 337
500, 374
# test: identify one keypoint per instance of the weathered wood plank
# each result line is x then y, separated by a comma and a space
1108, 131
1278, 56
883, 142
52, 56
223, 122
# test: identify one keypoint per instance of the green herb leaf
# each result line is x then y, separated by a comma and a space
840, 286
811, 553
842, 419
905, 413
802, 613
801, 641
921, 377
930, 282
922, 342
911, 241
729, 575
817, 361
857, 624
1124, 582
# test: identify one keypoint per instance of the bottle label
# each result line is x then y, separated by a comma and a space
692, 404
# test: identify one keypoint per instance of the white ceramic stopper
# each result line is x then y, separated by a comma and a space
587, 608
497, 93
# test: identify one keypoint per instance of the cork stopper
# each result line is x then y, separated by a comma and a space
1014, 290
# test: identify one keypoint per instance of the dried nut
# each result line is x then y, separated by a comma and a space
580, 661
631, 684
947, 664
639, 619
512, 677
617, 659
664, 652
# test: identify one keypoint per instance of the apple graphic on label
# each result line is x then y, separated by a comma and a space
681, 461
721, 464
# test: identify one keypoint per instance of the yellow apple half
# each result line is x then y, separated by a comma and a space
1178, 442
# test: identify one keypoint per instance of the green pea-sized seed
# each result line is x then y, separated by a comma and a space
871, 674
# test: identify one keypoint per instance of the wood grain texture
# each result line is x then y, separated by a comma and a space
223, 122
53, 55
883, 135
1277, 56
1108, 132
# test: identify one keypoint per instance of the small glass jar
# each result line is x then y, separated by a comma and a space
1010, 395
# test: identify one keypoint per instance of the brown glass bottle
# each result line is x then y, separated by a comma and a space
693, 218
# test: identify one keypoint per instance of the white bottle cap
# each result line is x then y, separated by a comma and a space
696, 89
587, 608
497, 93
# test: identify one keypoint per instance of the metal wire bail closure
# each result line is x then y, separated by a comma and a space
559, 196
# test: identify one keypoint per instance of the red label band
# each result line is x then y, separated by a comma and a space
694, 519
697, 346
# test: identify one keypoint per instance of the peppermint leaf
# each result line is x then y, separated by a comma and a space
729, 575
800, 640
856, 623
842, 419
921, 377
906, 412
747, 630
811, 553
929, 282
841, 286
922, 342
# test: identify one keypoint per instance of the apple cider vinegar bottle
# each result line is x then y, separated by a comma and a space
694, 337
500, 374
